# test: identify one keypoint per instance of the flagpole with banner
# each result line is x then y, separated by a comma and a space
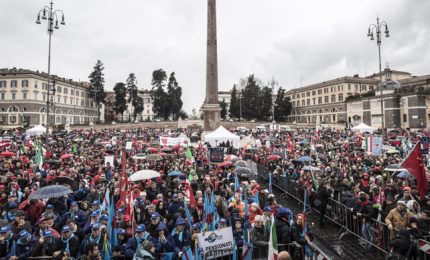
273, 241
414, 163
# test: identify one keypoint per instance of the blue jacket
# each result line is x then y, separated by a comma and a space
80, 217
132, 244
180, 246
24, 251
160, 247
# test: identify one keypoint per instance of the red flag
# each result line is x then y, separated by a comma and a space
414, 163
124, 179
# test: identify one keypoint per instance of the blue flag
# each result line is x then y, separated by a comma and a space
187, 212
236, 183
188, 254
168, 256
270, 182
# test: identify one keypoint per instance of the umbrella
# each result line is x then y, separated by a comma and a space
279, 153
225, 164
243, 171
395, 167
144, 175
67, 181
392, 151
311, 168
66, 156
162, 154
241, 163
231, 158
152, 150
7, 154
51, 191
273, 157
139, 156
52, 161
166, 149
404, 174
154, 157
175, 173
305, 159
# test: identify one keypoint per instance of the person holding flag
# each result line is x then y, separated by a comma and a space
300, 234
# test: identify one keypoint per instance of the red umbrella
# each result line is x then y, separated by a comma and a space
166, 149
273, 157
7, 154
66, 156
152, 150
225, 164
162, 154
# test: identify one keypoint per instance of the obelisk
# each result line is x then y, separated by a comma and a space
211, 108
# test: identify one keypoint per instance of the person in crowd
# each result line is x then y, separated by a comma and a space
161, 241
282, 222
91, 252
259, 237
76, 214
145, 251
45, 245
133, 242
325, 191
96, 236
7, 242
398, 218
180, 238
68, 244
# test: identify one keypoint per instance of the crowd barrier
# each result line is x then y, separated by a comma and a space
344, 217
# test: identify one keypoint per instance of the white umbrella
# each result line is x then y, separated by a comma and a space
37, 130
144, 175
139, 156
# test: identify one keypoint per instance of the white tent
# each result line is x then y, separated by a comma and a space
222, 135
362, 128
37, 130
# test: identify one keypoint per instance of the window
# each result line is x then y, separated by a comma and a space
66, 91
313, 93
340, 97
370, 88
13, 83
82, 94
405, 118
35, 96
44, 86
65, 100
59, 89
77, 93
72, 92
320, 100
2, 96
35, 84
44, 97
303, 94
71, 101
13, 95
333, 98
308, 94
24, 83
319, 91
24, 95
313, 101
364, 88
3, 83
58, 99
326, 99
308, 102
82, 103
303, 103
349, 86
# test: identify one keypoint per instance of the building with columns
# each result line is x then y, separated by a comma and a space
23, 97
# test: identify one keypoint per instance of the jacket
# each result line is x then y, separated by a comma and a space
259, 236
142, 254
398, 221
282, 231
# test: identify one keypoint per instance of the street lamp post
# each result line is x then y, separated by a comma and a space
52, 18
377, 28
273, 83
240, 103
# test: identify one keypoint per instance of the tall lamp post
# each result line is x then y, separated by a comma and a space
273, 83
377, 28
47, 13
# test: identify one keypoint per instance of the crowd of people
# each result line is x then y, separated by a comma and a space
160, 218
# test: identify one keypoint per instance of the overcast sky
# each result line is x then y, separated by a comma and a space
296, 42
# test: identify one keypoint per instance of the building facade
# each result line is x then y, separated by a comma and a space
146, 115
405, 102
23, 98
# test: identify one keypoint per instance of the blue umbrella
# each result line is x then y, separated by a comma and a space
175, 173
305, 159
311, 168
405, 174
51, 191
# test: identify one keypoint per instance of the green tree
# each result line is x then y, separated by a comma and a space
251, 95
174, 93
97, 83
279, 104
223, 106
285, 109
158, 95
120, 98
182, 114
138, 106
132, 92
265, 104
234, 103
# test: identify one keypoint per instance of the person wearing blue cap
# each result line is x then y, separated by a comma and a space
161, 241
180, 237
68, 244
174, 205
24, 245
222, 223
94, 217
132, 243
45, 245
93, 195
282, 222
49, 212
96, 236
11, 211
152, 227
76, 214
7, 241
121, 242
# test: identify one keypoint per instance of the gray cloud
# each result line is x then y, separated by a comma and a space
317, 40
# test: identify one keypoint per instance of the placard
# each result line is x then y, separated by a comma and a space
110, 159
172, 141
216, 243
128, 145
216, 154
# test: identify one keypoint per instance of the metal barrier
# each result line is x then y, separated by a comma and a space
344, 217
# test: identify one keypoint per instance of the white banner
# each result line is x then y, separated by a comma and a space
128, 145
216, 243
172, 141
110, 159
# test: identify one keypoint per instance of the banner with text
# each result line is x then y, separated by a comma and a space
216, 243
172, 141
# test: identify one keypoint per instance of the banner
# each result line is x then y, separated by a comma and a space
172, 141
376, 148
216, 243
216, 155
109, 159
128, 145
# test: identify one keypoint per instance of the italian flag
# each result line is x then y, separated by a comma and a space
273, 241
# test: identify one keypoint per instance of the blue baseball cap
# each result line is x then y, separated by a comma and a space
74, 203
140, 228
104, 217
223, 221
23, 234
12, 205
5, 229
121, 211
197, 226
49, 206
120, 231
65, 229
94, 213
155, 215
161, 226
180, 221
96, 203
47, 233
96, 225
267, 209
175, 195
